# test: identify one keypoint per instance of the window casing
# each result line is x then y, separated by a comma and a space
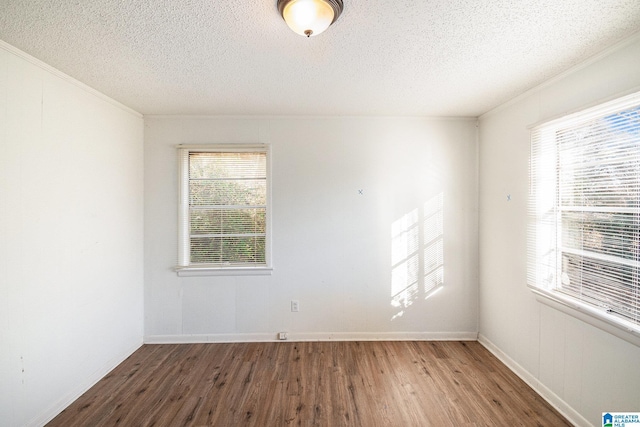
584, 228
224, 215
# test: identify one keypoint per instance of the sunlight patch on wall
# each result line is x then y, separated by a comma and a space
433, 244
417, 255
405, 261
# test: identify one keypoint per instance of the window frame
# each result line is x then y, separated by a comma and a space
184, 266
539, 229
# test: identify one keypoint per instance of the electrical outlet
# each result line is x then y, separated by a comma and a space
295, 306
282, 336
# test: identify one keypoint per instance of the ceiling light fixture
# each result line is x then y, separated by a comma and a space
310, 17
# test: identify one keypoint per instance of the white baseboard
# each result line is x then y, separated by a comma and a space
553, 399
312, 336
72, 396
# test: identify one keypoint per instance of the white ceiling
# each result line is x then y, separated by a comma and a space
401, 57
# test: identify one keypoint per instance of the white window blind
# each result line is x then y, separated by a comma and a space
224, 207
584, 235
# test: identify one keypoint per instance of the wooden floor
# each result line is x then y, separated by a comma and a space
311, 384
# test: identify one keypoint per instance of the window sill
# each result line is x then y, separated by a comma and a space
223, 271
596, 317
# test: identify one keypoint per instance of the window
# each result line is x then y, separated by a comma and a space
584, 235
224, 209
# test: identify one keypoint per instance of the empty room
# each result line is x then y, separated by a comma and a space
319, 212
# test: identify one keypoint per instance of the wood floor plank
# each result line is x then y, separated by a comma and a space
311, 384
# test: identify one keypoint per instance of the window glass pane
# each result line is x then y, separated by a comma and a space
223, 193
606, 233
602, 283
227, 165
228, 221
228, 250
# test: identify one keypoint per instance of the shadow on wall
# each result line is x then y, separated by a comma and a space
417, 255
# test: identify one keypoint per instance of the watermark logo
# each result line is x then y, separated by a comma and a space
621, 419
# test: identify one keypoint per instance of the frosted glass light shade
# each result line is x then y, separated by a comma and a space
309, 17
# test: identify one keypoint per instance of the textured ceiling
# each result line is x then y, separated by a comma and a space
401, 57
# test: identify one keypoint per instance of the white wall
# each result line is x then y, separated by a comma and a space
71, 229
332, 246
583, 369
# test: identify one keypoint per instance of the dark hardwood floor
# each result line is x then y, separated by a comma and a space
311, 384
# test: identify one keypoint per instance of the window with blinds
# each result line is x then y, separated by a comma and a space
584, 235
224, 207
